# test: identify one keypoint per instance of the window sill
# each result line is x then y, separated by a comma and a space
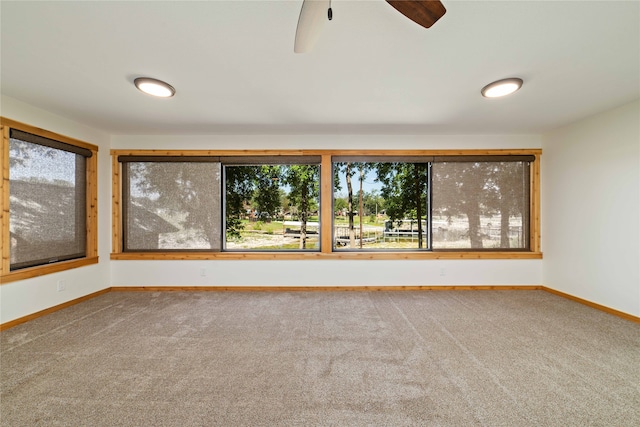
41, 270
167, 256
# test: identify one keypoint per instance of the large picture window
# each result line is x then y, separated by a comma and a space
432, 203
334, 204
220, 203
49, 188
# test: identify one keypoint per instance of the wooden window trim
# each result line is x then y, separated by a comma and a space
326, 196
6, 275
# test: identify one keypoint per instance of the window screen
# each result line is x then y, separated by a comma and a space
480, 205
171, 205
47, 200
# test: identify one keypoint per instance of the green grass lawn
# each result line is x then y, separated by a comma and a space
273, 227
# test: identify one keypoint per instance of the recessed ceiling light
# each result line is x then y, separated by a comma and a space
154, 87
501, 87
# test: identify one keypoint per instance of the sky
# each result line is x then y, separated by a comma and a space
368, 184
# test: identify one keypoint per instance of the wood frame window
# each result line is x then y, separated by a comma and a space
48, 204
530, 225
432, 203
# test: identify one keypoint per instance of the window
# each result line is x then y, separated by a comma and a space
481, 204
381, 204
51, 193
271, 205
432, 203
171, 204
175, 203
326, 204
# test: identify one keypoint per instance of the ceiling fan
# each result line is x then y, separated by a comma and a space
314, 13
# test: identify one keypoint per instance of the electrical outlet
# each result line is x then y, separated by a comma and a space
443, 271
61, 285
203, 272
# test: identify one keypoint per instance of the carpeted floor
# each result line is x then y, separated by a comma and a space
425, 358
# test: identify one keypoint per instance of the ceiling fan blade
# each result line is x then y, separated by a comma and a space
423, 12
312, 17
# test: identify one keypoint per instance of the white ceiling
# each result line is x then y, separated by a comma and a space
372, 71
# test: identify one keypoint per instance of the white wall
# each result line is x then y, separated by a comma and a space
326, 272
591, 209
319, 142
21, 298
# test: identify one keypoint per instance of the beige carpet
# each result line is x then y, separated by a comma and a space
425, 358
